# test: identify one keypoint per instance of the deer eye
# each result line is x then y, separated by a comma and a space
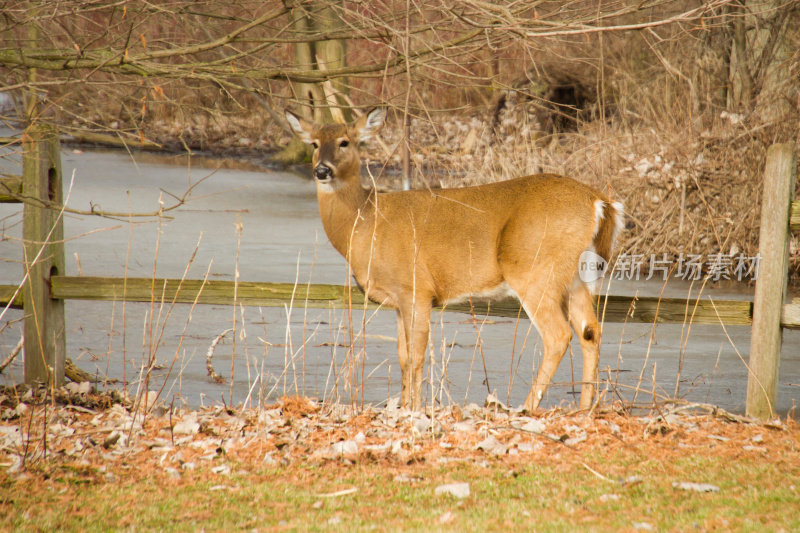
344, 144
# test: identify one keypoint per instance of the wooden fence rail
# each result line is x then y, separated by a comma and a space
45, 288
611, 308
10, 189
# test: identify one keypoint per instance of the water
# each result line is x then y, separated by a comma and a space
266, 224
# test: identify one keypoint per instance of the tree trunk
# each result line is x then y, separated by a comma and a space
711, 73
318, 16
775, 82
306, 94
333, 53
720, 44
761, 51
742, 80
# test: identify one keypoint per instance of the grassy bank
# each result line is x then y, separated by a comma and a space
556, 494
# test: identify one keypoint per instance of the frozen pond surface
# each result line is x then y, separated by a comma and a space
269, 221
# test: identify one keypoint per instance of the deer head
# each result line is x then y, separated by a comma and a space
336, 160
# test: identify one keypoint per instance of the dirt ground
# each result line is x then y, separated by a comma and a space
102, 439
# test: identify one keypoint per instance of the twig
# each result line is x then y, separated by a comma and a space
171, 426
13, 354
210, 353
27, 435
115, 215
338, 493
596, 473
713, 410
239, 228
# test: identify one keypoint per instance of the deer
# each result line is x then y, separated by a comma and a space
417, 249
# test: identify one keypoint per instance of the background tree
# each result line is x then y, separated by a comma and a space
457, 52
593, 89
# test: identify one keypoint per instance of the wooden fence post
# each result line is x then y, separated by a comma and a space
765, 337
43, 236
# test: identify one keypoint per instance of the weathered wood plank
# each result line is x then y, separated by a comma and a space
208, 292
10, 189
677, 310
617, 308
7, 293
790, 317
794, 217
643, 309
773, 247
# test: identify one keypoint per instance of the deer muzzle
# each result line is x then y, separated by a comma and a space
323, 172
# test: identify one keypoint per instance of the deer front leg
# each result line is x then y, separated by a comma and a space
415, 318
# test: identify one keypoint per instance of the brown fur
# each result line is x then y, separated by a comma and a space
410, 249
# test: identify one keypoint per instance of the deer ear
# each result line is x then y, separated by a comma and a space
301, 127
370, 122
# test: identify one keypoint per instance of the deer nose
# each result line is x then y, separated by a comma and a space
323, 172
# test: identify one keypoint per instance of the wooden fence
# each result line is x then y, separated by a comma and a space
45, 287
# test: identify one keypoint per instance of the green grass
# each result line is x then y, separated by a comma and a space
560, 496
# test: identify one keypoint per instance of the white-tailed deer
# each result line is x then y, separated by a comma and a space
412, 250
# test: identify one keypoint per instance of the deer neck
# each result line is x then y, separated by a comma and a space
343, 211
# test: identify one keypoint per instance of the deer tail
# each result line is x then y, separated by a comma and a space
609, 221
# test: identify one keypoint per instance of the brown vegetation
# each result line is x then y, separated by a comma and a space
668, 106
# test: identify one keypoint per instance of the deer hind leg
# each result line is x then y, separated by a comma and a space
547, 313
413, 329
584, 321
405, 363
